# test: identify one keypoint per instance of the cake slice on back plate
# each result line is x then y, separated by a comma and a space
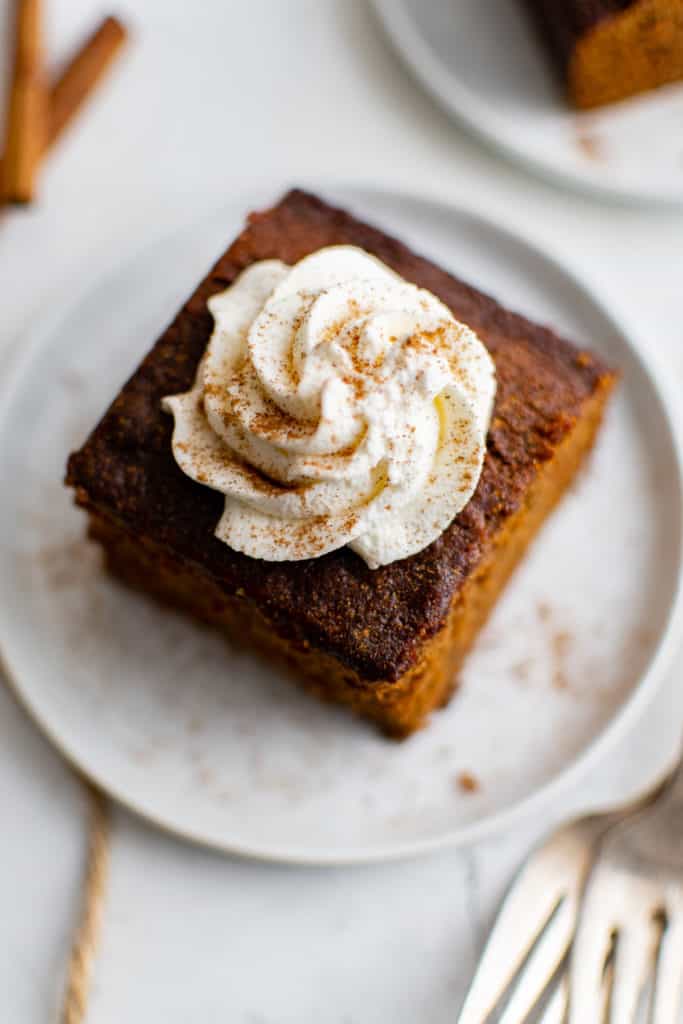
383, 625
606, 50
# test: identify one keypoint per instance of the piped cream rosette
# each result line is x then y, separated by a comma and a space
335, 404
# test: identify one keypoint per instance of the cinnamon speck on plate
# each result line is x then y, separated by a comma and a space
467, 783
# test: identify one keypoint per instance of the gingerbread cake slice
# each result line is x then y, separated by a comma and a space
606, 50
387, 641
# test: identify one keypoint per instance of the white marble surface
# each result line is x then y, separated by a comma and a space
210, 96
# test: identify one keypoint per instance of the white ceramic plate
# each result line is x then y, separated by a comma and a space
212, 744
483, 62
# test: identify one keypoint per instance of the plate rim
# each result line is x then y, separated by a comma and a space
664, 650
418, 58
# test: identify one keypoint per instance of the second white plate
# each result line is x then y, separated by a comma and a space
216, 746
483, 62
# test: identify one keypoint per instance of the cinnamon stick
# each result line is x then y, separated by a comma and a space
82, 74
27, 110
79, 78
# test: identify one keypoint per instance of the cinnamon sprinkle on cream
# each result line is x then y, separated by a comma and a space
335, 404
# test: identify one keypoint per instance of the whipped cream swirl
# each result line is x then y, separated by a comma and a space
335, 404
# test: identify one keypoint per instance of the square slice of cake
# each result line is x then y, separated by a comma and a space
607, 50
387, 642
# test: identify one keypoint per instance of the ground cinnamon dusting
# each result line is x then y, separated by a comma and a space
468, 783
521, 670
544, 611
561, 643
590, 145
